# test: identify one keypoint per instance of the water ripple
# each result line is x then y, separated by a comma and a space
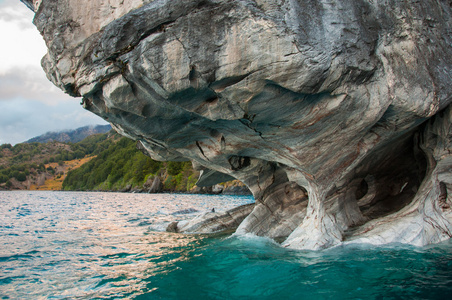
59, 245
91, 245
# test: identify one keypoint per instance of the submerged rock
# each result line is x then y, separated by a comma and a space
335, 114
212, 221
185, 211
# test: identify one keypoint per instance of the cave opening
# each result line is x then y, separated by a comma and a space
390, 178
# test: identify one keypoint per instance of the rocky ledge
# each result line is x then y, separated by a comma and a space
334, 113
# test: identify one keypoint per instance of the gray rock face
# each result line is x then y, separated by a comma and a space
156, 186
334, 113
212, 222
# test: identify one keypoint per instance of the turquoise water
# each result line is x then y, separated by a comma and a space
57, 245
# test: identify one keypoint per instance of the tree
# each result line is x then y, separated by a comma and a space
3, 178
174, 168
21, 176
79, 154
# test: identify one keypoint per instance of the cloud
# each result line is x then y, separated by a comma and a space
11, 11
22, 45
23, 119
30, 105
30, 83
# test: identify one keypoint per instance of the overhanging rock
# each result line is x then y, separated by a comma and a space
335, 114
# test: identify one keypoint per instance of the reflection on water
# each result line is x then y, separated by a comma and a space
92, 244
59, 245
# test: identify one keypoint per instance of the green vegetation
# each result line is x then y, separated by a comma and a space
121, 166
27, 160
116, 165
53, 151
20, 171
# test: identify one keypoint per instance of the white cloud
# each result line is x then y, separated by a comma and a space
12, 11
30, 83
23, 119
22, 45
30, 105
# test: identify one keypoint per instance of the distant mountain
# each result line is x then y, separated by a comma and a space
70, 136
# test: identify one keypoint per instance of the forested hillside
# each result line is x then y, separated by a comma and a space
30, 164
122, 167
100, 162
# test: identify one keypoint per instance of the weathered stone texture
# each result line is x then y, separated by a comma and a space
212, 222
320, 107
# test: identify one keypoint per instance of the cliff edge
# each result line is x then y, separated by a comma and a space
336, 114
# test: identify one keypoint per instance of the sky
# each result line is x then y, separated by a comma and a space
30, 105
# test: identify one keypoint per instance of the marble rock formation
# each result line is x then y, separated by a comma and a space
335, 113
213, 221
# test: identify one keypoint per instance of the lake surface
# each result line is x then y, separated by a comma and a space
73, 245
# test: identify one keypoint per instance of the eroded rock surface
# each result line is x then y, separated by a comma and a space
212, 221
334, 113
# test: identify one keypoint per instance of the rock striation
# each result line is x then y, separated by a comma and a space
336, 114
212, 221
